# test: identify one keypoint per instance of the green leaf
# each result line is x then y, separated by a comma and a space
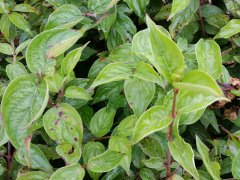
77, 92
183, 17
152, 120
3, 134
139, 94
36, 175
63, 124
25, 8
146, 174
146, 72
119, 144
70, 154
178, 6
71, 60
126, 126
6, 49
90, 150
200, 82
105, 161
191, 118
139, 7
19, 21
232, 28
15, 70
46, 46
112, 72
168, 58
55, 82
23, 103
22, 46
102, 121
182, 152
5, 24
73, 172
34, 159
65, 16
213, 168
236, 166
101, 6
209, 57
154, 163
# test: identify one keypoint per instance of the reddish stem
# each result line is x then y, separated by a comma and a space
174, 113
9, 159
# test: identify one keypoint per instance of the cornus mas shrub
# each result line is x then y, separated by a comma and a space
119, 89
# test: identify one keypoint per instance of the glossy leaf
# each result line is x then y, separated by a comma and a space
112, 72
236, 166
126, 127
154, 119
19, 21
139, 94
201, 82
105, 161
212, 167
178, 6
46, 46
168, 59
71, 172
63, 124
182, 152
229, 30
71, 60
5, 24
18, 112
146, 72
119, 144
25, 8
209, 57
102, 121
3, 134
65, 16
77, 92
101, 6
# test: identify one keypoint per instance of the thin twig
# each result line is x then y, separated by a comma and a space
174, 113
200, 17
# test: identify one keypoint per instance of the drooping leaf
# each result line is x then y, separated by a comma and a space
152, 120
178, 6
112, 72
209, 57
46, 46
102, 121
212, 167
139, 94
23, 103
182, 152
168, 58
229, 30
71, 172
65, 16
105, 161
236, 166
63, 124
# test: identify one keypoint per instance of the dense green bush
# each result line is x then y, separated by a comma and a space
119, 89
